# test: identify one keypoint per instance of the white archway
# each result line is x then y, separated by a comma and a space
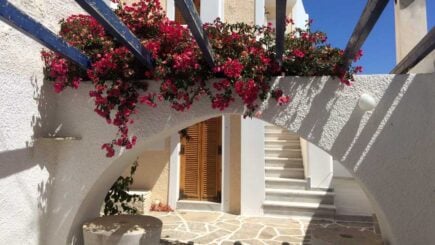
388, 150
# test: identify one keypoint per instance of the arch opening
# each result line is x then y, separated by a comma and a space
161, 140
380, 148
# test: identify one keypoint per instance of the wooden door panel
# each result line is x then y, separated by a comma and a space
210, 159
201, 162
190, 187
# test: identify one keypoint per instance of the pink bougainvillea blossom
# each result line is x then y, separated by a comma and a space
244, 58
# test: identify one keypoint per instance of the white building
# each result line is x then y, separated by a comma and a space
245, 166
50, 187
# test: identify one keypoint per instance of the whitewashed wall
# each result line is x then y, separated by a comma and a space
299, 15
252, 167
380, 148
320, 169
350, 199
340, 171
48, 189
27, 162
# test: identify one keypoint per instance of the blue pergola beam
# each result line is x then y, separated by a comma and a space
108, 19
190, 15
281, 6
366, 22
30, 27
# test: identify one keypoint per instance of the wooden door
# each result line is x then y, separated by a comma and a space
201, 161
179, 18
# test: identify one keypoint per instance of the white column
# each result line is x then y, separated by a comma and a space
410, 24
260, 15
411, 27
252, 167
170, 9
211, 9
174, 171
299, 15
226, 174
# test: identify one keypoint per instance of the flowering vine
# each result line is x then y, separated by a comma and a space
244, 64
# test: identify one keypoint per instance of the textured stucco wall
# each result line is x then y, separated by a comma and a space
27, 163
233, 11
381, 148
340, 171
350, 199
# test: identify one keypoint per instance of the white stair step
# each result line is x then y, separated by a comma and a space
283, 136
286, 183
272, 128
287, 153
295, 147
283, 144
283, 162
283, 159
298, 209
306, 196
284, 172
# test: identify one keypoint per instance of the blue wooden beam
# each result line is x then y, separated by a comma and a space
366, 22
108, 19
30, 27
190, 15
281, 6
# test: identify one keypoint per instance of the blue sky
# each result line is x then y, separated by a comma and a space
338, 18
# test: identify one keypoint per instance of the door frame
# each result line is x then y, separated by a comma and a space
175, 173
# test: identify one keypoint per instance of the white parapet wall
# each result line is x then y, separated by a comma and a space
380, 149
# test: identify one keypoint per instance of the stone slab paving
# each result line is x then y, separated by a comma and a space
218, 228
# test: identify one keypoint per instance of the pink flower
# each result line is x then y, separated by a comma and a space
76, 82
345, 81
148, 100
358, 55
58, 87
233, 68
298, 53
110, 152
282, 100
223, 84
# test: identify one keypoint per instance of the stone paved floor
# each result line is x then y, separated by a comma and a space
200, 227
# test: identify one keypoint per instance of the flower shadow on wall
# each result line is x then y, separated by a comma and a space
244, 58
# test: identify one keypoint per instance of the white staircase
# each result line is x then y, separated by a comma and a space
288, 192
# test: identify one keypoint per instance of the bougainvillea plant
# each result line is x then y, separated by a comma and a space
244, 56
